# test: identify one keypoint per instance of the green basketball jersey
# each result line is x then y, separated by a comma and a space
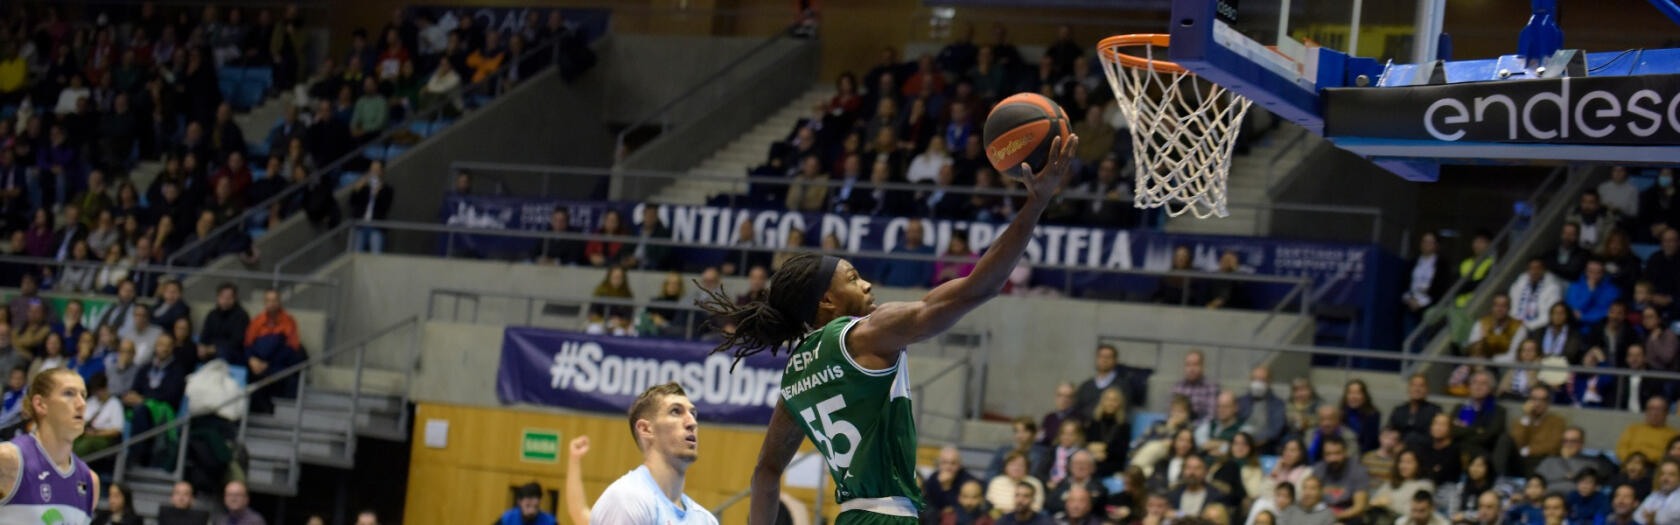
859, 419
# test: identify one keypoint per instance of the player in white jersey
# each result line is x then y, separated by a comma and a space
663, 423
41, 480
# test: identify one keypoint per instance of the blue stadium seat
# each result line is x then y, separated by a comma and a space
373, 152
423, 129
1644, 251
1114, 484
1141, 421
1267, 462
441, 123
256, 150
347, 178
228, 79
478, 101
258, 173
394, 150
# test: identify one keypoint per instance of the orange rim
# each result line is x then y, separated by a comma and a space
1110, 49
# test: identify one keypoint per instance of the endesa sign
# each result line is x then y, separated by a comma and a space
1634, 110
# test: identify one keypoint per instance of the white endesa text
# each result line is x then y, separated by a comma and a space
1596, 114
583, 366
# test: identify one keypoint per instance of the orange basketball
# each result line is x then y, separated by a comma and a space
1019, 129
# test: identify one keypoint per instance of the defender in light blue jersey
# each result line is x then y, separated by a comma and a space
663, 423
846, 385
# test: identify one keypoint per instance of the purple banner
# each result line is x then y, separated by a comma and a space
606, 373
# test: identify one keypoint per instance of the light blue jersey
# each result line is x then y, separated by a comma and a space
636, 500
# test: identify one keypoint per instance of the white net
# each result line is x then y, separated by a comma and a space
1183, 129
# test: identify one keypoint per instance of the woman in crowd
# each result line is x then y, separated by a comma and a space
946, 271
90, 358
1359, 415
1460, 498
1621, 265
1156, 441
115, 270
1661, 344
666, 321
1169, 469
1108, 431
51, 356
33, 334
1518, 379
1000, 492
611, 318
1560, 336
924, 168
186, 347
1131, 499
1291, 466
1395, 493
1302, 407
79, 272
118, 513
1265, 510
608, 253
104, 234
1636, 471
1240, 472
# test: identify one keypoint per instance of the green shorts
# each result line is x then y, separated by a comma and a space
864, 517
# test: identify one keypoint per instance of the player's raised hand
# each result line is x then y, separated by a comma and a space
1044, 184
578, 447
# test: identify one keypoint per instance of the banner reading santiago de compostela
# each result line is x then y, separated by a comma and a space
1343, 274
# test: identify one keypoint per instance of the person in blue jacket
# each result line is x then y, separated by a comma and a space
1586, 504
526, 511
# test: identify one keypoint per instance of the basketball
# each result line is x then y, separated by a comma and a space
1019, 129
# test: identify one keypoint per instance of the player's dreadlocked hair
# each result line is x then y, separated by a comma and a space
773, 318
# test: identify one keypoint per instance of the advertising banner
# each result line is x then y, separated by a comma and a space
606, 373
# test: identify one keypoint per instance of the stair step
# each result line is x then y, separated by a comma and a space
312, 447
342, 378
263, 472
319, 397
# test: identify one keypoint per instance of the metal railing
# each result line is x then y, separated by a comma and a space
1378, 355
282, 282
1300, 293
662, 115
183, 422
446, 103
739, 185
1503, 242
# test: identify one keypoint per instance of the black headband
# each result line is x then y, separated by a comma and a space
807, 305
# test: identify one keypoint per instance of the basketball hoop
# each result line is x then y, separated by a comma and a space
1182, 128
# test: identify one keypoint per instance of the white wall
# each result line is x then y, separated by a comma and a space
1035, 342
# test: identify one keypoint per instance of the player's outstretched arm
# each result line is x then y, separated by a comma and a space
894, 325
577, 505
781, 442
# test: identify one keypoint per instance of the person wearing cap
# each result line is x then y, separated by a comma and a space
526, 508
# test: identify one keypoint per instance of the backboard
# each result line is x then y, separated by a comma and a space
1378, 78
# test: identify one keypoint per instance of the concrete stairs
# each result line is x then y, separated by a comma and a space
1248, 188
743, 154
278, 444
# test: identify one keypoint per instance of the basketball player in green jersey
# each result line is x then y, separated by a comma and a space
846, 384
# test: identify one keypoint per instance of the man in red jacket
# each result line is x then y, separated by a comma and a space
271, 344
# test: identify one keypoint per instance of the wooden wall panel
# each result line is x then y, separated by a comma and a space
468, 480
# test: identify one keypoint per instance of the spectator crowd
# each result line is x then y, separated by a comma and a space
1257, 457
